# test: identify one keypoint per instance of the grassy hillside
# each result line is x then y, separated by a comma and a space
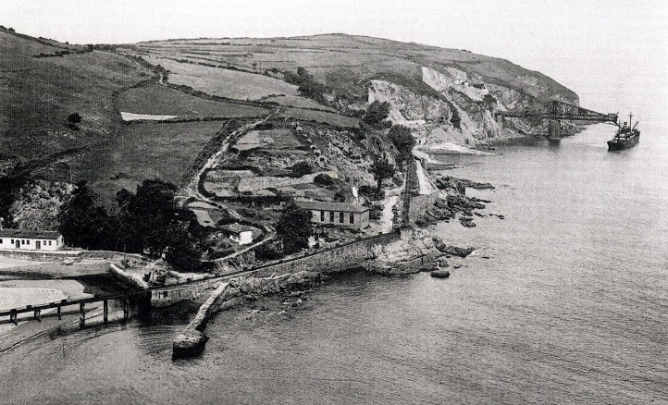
38, 93
163, 100
443, 95
344, 62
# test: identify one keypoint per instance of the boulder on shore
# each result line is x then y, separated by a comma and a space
440, 274
428, 269
188, 343
451, 250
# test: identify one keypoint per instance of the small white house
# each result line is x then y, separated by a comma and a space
26, 239
240, 234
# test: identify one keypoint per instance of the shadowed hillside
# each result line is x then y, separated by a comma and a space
42, 82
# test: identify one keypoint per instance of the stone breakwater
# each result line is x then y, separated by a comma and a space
191, 340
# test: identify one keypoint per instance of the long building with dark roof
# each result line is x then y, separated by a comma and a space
26, 239
336, 213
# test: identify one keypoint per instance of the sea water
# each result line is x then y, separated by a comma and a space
565, 301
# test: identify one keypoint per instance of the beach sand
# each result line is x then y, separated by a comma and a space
8, 263
19, 293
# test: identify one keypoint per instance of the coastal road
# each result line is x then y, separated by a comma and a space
426, 186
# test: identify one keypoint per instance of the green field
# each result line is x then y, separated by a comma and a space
37, 95
320, 116
163, 100
144, 151
224, 82
299, 102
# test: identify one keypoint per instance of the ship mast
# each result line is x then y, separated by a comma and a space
630, 120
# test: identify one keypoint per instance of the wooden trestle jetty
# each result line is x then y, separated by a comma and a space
36, 310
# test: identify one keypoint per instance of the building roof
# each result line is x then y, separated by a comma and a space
331, 206
236, 228
28, 234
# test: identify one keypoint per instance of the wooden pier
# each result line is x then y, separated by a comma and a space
36, 310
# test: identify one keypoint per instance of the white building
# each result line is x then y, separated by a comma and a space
25, 239
240, 234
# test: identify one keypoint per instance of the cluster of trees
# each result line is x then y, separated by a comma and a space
143, 222
403, 140
382, 169
376, 113
301, 168
292, 230
308, 86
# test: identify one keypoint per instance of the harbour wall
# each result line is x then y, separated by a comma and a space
420, 204
338, 258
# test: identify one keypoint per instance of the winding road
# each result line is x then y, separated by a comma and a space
192, 188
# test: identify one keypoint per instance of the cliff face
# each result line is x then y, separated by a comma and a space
456, 106
444, 95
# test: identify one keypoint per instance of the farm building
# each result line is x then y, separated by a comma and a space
240, 234
335, 213
23, 239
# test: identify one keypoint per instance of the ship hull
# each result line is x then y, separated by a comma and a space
621, 144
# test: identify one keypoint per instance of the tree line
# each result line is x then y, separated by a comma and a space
142, 222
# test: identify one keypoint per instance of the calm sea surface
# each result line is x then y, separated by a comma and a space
570, 308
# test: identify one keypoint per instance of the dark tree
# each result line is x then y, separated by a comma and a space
294, 228
303, 73
376, 113
73, 119
185, 250
301, 169
403, 140
84, 224
151, 213
382, 169
323, 180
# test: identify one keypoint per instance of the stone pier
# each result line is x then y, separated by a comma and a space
191, 341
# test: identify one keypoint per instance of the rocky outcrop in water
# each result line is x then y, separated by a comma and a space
454, 185
451, 250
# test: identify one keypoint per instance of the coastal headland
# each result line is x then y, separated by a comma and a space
194, 192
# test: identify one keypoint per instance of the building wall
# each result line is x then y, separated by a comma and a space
243, 238
31, 243
360, 219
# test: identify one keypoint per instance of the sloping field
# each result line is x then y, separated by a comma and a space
224, 82
333, 57
163, 100
144, 151
320, 116
37, 95
299, 102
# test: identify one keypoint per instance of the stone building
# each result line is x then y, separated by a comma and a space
335, 213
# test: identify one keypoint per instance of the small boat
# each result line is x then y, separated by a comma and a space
626, 137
